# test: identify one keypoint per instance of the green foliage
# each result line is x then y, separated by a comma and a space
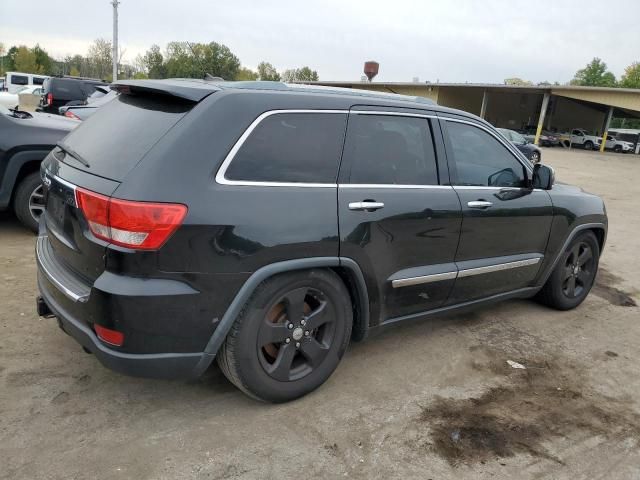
99, 59
268, 72
246, 74
595, 74
196, 60
154, 63
517, 82
43, 61
631, 76
140, 76
304, 74
25, 61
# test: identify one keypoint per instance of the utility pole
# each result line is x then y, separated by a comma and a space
115, 39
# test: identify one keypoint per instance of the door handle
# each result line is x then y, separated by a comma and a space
479, 204
368, 206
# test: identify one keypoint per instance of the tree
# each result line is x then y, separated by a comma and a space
517, 82
245, 74
595, 74
304, 74
631, 76
154, 63
25, 61
99, 59
266, 71
43, 61
195, 60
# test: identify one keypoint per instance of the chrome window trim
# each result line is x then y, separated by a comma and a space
221, 178
483, 187
438, 277
221, 174
391, 185
498, 267
60, 180
514, 151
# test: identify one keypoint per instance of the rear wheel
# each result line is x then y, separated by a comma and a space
28, 202
289, 337
535, 157
574, 275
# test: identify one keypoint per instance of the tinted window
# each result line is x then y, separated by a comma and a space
65, 89
291, 147
480, 159
19, 80
38, 80
119, 134
385, 149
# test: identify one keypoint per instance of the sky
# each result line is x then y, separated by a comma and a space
446, 41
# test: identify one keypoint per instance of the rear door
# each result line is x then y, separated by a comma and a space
505, 224
399, 220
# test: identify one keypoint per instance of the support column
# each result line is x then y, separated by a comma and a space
543, 112
606, 129
485, 101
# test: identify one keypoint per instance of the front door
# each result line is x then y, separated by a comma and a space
397, 219
505, 224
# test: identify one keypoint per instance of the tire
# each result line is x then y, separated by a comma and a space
588, 145
617, 149
256, 355
583, 253
27, 201
535, 157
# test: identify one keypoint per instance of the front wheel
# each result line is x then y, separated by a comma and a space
289, 337
588, 145
617, 149
574, 275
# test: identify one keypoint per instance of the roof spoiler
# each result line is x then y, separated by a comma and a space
192, 90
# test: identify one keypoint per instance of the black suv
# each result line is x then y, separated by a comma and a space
59, 91
267, 225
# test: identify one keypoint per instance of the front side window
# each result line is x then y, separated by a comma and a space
389, 149
481, 160
19, 80
291, 148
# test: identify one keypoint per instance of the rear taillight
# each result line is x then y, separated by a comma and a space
112, 337
49, 99
137, 225
70, 114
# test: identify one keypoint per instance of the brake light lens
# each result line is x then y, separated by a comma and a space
69, 114
137, 225
49, 99
112, 337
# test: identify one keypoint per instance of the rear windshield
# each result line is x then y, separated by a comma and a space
114, 139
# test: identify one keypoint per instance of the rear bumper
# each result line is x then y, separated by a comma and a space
159, 365
78, 306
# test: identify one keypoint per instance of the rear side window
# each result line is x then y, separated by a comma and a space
38, 80
291, 148
386, 149
66, 89
481, 160
115, 138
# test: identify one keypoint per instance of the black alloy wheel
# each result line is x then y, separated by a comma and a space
578, 270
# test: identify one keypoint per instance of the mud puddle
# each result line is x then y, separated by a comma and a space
603, 288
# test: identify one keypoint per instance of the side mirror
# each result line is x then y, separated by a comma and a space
543, 176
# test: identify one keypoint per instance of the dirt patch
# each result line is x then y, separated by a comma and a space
550, 399
603, 288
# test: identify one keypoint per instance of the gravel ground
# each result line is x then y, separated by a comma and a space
429, 400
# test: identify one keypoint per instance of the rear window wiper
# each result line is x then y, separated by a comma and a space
73, 154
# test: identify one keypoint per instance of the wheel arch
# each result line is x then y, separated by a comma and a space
346, 268
19, 166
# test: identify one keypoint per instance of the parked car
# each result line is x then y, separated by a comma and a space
618, 146
25, 139
582, 138
95, 101
529, 150
250, 223
14, 81
12, 100
59, 91
547, 138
